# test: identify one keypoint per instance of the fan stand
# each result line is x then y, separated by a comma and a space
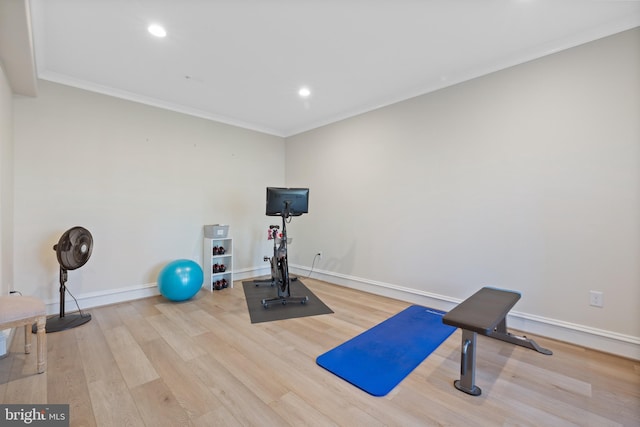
65, 321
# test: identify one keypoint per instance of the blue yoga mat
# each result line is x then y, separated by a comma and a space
379, 358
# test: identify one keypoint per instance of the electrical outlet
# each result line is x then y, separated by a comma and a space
596, 298
319, 254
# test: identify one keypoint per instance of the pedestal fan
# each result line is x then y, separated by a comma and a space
73, 251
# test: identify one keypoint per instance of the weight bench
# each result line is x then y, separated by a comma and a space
484, 312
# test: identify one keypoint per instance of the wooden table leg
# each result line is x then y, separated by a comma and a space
41, 337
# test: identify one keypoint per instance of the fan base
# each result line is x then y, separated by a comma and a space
57, 324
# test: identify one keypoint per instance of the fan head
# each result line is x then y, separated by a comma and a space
74, 248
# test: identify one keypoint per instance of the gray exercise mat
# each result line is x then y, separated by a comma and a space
276, 311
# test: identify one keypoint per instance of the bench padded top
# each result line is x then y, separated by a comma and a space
482, 311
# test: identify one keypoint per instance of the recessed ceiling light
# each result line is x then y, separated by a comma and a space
157, 30
304, 92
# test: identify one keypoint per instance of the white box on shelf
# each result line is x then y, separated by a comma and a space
216, 231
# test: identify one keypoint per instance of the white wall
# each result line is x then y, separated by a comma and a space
6, 196
526, 179
6, 185
143, 180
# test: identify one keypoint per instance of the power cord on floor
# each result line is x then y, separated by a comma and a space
76, 301
313, 264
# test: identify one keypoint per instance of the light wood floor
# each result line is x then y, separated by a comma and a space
202, 363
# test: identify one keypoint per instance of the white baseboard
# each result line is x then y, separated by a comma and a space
606, 341
113, 296
97, 299
585, 336
250, 273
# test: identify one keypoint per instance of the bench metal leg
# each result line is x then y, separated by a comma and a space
467, 380
500, 333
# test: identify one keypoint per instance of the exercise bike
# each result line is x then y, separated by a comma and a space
273, 235
280, 269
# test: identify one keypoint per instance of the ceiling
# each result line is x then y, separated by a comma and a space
242, 62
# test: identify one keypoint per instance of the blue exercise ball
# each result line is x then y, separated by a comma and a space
180, 280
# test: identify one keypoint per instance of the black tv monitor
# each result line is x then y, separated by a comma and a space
287, 201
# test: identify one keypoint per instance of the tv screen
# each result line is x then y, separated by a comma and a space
287, 201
